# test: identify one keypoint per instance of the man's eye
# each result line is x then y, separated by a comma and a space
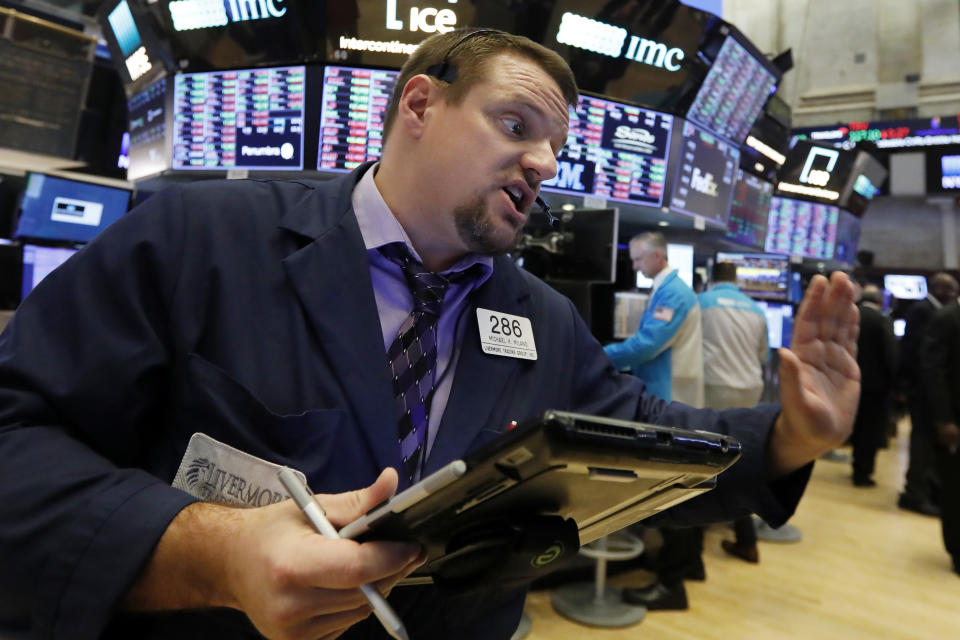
514, 126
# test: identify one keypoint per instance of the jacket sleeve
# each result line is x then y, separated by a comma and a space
654, 334
938, 351
82, 364
744, 488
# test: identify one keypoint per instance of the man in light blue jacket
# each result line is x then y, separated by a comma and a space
666, 350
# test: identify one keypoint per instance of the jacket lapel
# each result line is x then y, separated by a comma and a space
480, 379
331, 277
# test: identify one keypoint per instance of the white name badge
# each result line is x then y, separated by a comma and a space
502, 334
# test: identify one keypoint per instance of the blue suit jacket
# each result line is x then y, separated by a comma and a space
245, 310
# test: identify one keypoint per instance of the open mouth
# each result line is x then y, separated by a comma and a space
515, 196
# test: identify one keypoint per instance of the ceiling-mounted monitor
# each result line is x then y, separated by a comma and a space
749, 210
615, 151
706, 169
355, 102
848, 237
732, 95
242, 119
802, 228
148, 112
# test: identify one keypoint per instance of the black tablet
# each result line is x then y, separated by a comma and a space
587, 475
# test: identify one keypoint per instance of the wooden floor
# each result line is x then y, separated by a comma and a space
864, 570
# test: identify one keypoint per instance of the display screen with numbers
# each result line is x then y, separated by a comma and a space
244, 119
733, 93
802, 228
355, 104
615, 151
749, 210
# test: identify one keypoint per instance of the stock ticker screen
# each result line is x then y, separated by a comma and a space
246, 119
733, 93
706, 171
355, 103
615, 151
801, 228
749, 210
147, 124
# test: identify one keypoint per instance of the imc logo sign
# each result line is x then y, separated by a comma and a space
600, 37
206, 14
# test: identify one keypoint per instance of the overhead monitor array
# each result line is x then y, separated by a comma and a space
250, 119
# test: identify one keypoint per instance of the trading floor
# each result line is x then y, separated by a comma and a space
864, 570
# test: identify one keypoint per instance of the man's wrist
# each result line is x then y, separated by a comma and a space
189, 566
787, 451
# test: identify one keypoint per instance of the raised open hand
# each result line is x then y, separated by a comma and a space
819, 376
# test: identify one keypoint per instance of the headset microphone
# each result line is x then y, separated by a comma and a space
554, 220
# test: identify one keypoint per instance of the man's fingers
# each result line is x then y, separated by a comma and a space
344, 508
805, 328
345, 564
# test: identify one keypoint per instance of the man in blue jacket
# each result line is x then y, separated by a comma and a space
262, 314
666, 349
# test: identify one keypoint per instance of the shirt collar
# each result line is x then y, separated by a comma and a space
936, 303
660, 277
379, 226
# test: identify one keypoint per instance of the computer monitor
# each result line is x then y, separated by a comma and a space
779, 323
749, 210
243, 119
848, 237
706, 171
616, 151
583, 247
147, 113
60, 209
905, 286
814, 172
764, 276
355, 102
38, 262
733, 93
628, 308
802, 228
679, 256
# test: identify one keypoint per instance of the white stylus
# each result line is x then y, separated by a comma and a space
314, 512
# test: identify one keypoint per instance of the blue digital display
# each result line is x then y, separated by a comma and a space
68, 210
779, 323
38, 262
124, 28
950, 172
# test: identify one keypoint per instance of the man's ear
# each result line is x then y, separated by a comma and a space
419, 94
